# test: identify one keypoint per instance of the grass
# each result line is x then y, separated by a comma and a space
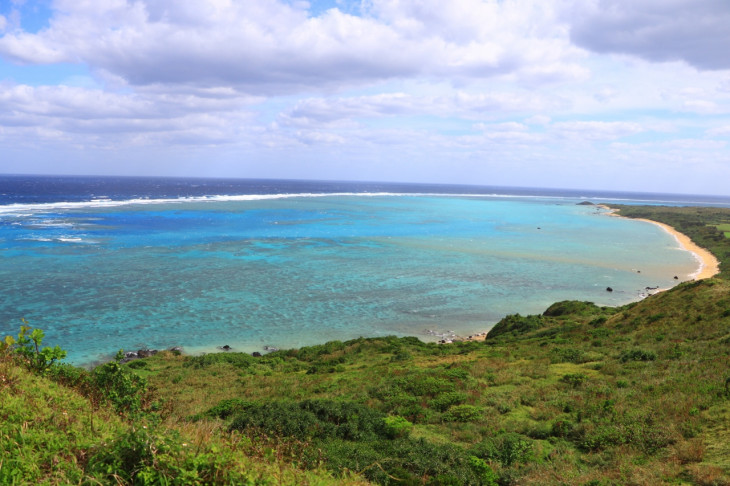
638, 394
725, 228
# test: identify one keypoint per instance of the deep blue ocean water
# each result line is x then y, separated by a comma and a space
103, 263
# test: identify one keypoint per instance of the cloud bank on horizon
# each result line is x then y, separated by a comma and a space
604, 94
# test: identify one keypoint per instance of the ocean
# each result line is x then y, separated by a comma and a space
108, 263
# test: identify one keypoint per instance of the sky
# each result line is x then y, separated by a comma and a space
591, 94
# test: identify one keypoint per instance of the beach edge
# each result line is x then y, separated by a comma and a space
709, 264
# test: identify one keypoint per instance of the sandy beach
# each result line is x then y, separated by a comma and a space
709, 265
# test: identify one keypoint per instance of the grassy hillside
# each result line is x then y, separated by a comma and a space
580, 395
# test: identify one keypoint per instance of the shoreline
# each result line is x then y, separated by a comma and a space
708, 267
709, 264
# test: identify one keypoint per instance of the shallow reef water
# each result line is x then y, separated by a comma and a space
249, 269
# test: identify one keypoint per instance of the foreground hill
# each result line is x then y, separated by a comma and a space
581, 394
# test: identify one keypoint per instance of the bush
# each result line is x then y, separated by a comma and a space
118, 385
574, 380
238, 360
146, 456
404, 461
568, 355
313, 419
463, 413
28, 346
137, 364
515, 324
446, 400
226, 408
637, 355
507, 449
68, 375
396, 427
572, 307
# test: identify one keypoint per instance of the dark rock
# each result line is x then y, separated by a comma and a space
129, 356
609, 289
176, 349
256, 354
146, 353
225, 347
676, 278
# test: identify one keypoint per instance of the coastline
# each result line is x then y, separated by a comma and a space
709, 264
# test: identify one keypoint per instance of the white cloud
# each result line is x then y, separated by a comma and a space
723, 131
701, 106
538, 120
694, 31
263, 46
433, 89
87, 117
595, 130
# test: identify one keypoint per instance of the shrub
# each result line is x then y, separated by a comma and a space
575, 380
463, 413
146, 456
424, 385
137, 364
446, 400
28, 346
567, 355
313, 419
515, 324
508, 448
404, 461
238, 360
487, 477
637, 355
571, 307
118, 385
396, 427
68, 375
401, 356
226, 408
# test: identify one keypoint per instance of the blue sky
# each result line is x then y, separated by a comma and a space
601, 94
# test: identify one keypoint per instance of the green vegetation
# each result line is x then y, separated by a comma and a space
725, 228
578, 395
707, 227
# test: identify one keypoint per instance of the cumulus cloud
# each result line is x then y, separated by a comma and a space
334, 111
694, 31
270, 47
723, 131
595, 130
85, 117
384, 85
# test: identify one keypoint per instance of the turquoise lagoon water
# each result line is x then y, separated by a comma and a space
251, 271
